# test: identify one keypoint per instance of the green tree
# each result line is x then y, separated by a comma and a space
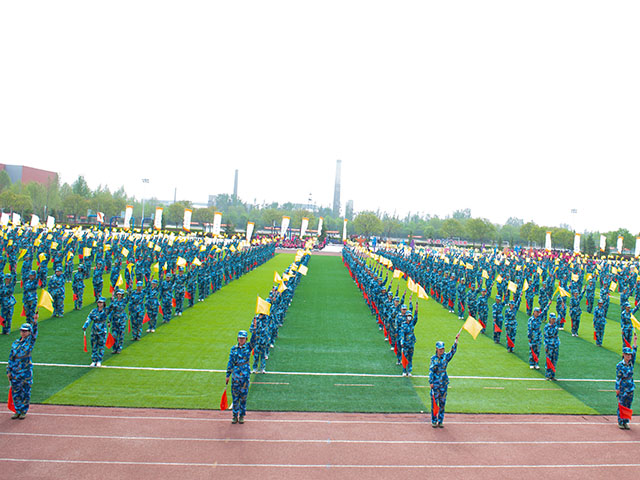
367, 224
5, 180
81, 187
452, 228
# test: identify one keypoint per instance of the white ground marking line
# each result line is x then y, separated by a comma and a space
324, 440
324, 466
329, 421
547, 389
323, 374
495, 388
353, 385
269, 383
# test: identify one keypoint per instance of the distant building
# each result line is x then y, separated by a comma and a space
348, 210
336, 189
24, 174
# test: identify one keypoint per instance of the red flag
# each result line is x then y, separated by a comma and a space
434, 406
533, 354
496, 328
395, 349
224, 403
23, 314
129, 324
111, 289
12, 407
390, 340
173, 303
85, 341
384, 330
625, 412
626, 344
510, 342
2, 321
110, 341
550, 365
482, 323
405, 362
160, 310
146, 318
188, 295
594, 336
75, 297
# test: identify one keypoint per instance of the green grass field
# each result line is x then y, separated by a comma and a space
328, 330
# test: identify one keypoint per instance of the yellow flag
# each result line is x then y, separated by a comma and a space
512, 287
42, 257
276, 277
119, 281
23, 251
46, 301
397, 273
54, 245
411, 285
232, 248
293, 267
125, 252
525, 285
196, 261
499, 278
129, 266
421, 293
575, 277
635, 322
262, 306
181, 262
485, 275
286, 277
472, 326
303, 269
613, 286
563, 292
539, 270
282, 287
86, 252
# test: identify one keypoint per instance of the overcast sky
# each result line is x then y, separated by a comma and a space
509, 108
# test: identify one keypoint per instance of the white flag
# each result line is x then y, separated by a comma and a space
186, 221
250, 226
4, 219
547, 241
217, 222
157, 219
320, 220
100, 217
637, 246
303, 227
603, 242
35, 220
576, 243
344, 230
620, 240
284, 226
15, 219
128, 213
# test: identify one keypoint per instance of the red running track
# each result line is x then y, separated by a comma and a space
96, 443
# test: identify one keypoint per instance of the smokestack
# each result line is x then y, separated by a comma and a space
336, 190
235, 185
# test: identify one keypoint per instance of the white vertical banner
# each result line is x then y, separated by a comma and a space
35, 221
547, 241
250, 226
576, 243
637, 248
603, 242
157, 219
303, 227
15, 218
320, 221
186, 220
619, 246
128, 213
284, 225
100, 217
344, 230
4, 219
217, 222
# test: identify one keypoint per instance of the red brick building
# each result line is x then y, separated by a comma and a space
21, 173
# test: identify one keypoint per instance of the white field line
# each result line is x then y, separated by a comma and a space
319, 374
323, 440
309, 466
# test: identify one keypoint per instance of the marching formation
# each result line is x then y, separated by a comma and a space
270, 315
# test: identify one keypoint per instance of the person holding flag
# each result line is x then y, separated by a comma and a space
599, 322
534, 335
78, 288
238, 368
20, 369
136, 310
439, 381
7, 301
624, 383
551, 346
56, 288
407, 341
625, 323
98, 332
152, 304
575, 311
